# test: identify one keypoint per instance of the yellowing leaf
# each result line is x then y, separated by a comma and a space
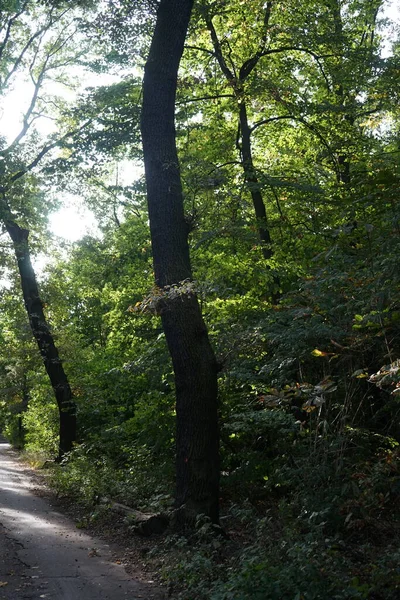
317, 352
360, 374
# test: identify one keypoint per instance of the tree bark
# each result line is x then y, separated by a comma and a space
194, 363
43, 336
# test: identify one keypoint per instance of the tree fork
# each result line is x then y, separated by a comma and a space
244, 131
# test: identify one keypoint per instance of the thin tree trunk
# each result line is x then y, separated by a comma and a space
343, 174
251, 179
195, 367
250, 175
43, 337
244, 145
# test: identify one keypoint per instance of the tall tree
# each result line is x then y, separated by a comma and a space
195, 366
35, 42
42, 332
236, 77
287, 82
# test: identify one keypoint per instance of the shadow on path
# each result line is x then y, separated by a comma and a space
43, 555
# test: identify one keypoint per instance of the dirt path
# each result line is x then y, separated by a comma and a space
44, 555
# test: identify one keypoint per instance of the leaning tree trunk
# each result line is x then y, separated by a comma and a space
195, 367
44, 338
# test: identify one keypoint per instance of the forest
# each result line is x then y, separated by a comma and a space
223, 349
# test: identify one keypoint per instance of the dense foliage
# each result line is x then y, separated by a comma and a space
283, 105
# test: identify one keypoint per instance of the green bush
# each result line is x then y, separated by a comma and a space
40, 422
85, 478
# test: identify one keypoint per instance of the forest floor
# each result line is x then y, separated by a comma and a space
44, 553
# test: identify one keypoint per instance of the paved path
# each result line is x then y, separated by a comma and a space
44, 555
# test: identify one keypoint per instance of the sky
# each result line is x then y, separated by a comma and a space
391, 11
73, 221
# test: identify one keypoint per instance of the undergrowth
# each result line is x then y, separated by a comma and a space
324, 524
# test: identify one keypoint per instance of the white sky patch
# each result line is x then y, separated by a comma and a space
15, 102
73, 222
390, 11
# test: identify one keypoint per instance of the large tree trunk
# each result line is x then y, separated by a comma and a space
44, 338
195, 367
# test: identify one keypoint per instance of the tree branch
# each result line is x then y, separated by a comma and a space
27, 121
51, 20
9, 27
218, 49
19, 59
251, 63
46, 66
45, 150
270, 120
316, 57
200, 49
197, 99
307, 125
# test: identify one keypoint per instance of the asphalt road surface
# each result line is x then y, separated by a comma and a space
44, 555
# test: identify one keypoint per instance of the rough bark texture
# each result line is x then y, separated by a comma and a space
195, 367
44, 338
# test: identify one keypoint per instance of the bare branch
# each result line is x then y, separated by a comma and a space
199, 49
27, 121
197, 99
45, 150
225, 164
269, 120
